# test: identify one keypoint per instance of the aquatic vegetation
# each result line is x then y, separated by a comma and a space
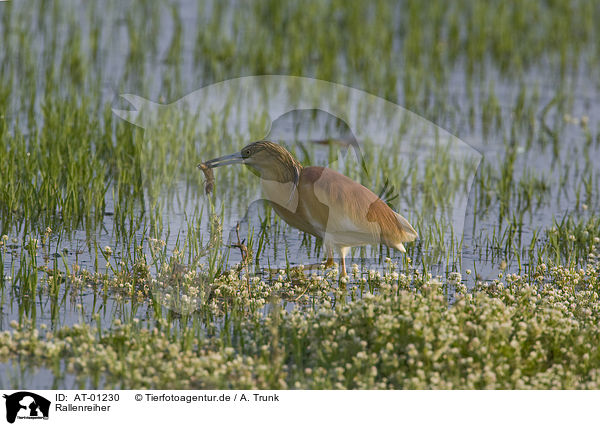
117, 270
508, 333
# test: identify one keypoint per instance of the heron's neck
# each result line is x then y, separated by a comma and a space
280, 182
284, 169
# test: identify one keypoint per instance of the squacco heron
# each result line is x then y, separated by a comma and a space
321, 201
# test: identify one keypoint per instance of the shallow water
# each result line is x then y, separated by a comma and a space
472, 234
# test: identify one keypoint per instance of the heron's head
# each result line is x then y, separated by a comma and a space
266, 159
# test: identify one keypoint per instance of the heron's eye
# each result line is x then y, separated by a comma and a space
246, 153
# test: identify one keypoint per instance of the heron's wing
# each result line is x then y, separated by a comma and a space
356, 215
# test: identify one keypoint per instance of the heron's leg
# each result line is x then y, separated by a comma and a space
329, 261
343, 253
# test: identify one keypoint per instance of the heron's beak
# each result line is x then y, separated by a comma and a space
225, 160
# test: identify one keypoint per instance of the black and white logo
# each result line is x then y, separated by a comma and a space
26, 405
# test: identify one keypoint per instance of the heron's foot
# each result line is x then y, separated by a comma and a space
329, 263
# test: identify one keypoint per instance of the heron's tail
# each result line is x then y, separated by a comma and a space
407, 233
